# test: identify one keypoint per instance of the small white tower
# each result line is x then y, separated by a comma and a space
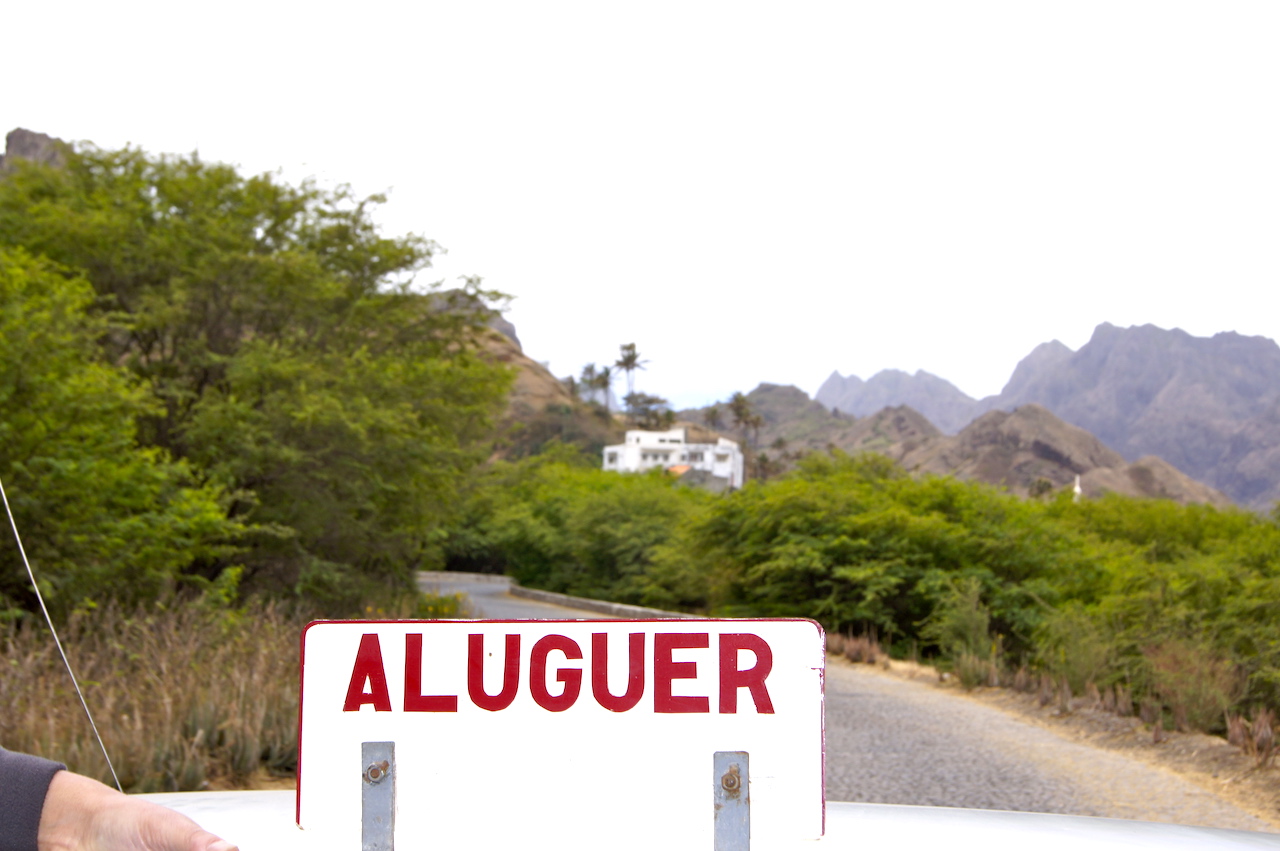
1076, 491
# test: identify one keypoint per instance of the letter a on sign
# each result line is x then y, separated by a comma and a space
576, 732
368, 670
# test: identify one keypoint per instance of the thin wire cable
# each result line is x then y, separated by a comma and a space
23, 552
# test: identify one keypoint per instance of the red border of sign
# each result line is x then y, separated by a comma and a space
822, 678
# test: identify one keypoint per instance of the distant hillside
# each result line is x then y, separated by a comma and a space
1208, 406
540, 407
1028, 451
795, 424
944, 404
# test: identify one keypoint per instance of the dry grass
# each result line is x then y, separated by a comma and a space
857, 648
182, 696
186, 696
1260, 738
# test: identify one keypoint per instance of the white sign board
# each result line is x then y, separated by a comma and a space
582, 733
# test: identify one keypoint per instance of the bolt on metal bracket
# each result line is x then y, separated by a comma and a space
378, 796
732, 801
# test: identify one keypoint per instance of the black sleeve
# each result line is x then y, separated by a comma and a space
24, 780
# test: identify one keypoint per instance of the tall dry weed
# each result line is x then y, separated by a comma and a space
1237, 731
1124, 701
181, 695
856, 648
1064, 696
1194, 682
1045, 693
1263, 738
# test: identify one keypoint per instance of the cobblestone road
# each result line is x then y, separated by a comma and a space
897, 741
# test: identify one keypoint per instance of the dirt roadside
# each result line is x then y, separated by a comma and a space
1207, 761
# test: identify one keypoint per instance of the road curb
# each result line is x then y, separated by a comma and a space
515, 589
620, 610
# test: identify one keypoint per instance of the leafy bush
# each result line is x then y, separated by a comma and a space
1194, 682
220, 360
1101, 597
101, 516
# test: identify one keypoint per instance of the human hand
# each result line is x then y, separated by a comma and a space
81, 814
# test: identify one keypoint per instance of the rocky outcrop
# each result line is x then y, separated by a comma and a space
1030, 451
540, 407
29, 145
794, 424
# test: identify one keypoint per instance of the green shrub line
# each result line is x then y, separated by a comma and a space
1174, 605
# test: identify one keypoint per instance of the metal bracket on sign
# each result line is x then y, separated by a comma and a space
732, 797
377, 796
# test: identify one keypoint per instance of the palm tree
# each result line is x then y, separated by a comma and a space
629, 361
740, 409
711, 416
597, 380
756, 423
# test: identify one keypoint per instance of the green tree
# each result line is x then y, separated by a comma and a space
743, 415
99, 515
629, 361
649, 412
557, 521
598, 382
288, 352
712, 416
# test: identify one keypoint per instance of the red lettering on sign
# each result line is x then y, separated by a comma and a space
368, 682
475, 673
732, 679
600, 672
368, 669
414, 699
571, 677
665, 670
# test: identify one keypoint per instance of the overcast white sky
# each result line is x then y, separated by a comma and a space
749, 192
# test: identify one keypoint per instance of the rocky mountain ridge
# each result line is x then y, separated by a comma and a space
1209, 406
1028, 451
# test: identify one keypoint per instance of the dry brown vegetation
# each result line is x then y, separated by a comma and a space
857, 648
186, 697
183, 696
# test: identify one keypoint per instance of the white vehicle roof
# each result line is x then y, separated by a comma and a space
264, 821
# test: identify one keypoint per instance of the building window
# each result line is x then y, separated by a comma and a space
611, 458
722, 457
695, 456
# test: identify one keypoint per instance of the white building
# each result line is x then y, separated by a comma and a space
672, 450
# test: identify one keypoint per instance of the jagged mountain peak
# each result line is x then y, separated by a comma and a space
1206, 405
944, 404
1043, 357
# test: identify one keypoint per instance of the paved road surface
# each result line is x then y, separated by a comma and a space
896, 741
489, 598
